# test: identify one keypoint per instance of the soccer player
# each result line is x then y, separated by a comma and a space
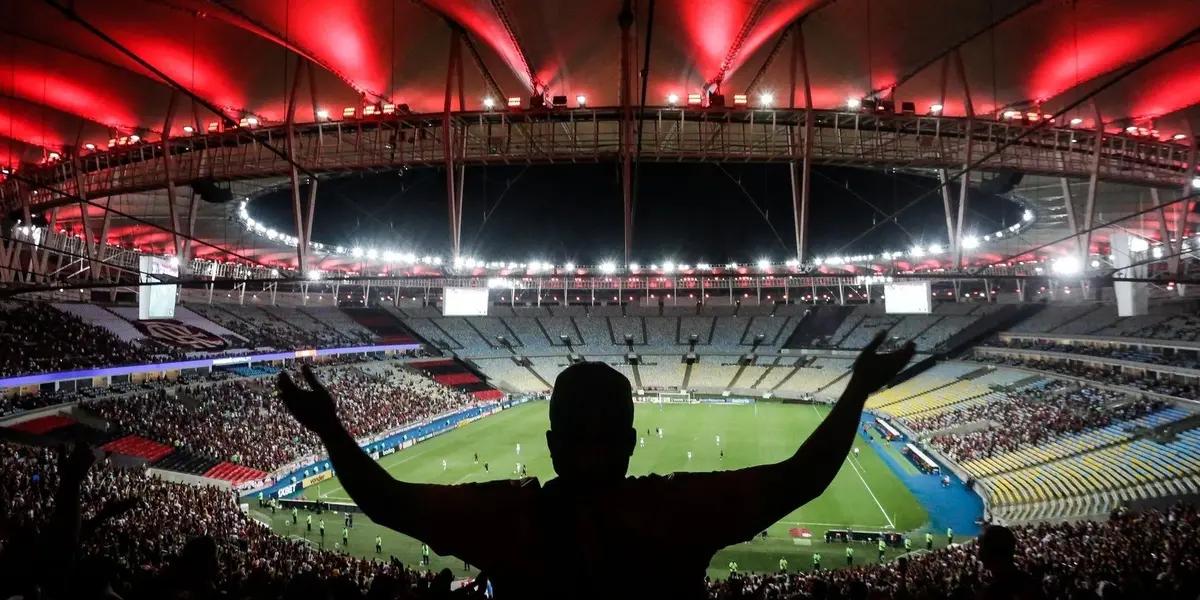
882, 548
425, 555
855, 451
949, 536
443, 464
849, 556
733, 567
907, 544
295, 516
539, 538
486, 469
928, 540
476, 458
722, 455
783, 564
718, 440
346, 537
518, 448
378, 544
659, 430
689, 455
816, 558
641, 442
308, 523
322, 528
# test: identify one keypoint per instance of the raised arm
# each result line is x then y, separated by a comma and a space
410, 508
766, 493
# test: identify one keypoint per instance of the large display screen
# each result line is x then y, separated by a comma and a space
907, 297
465, 302
156, 301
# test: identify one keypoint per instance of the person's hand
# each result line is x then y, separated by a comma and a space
873, 370
314, 408
75, 461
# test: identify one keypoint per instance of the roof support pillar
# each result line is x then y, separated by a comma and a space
448, 143
948, 207
1069, 208
625, 20
964, 183
800, 197
1185, 207
84, 219
1089, 211
1164, 231
189, 245
169, 173
297, 213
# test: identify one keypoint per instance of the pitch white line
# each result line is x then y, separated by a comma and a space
848, 526
891, 525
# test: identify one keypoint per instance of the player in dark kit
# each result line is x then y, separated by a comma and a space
540, 540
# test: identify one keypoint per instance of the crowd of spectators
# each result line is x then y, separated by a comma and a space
138, 537
1096, 373
1133, 555
1029, 417
36, 338
1182, 359
144, 538
244, 422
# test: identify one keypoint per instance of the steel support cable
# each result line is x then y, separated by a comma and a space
959, 44
1065, 238
1099, 132
637, 157
71, 15
76, 198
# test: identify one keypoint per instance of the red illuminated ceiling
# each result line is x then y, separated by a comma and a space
60, 83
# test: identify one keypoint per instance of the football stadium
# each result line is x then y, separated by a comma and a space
717, 299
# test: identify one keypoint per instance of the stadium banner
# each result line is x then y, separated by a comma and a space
312, 480
175, 334
286, 483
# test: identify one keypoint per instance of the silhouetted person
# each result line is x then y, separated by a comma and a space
566, 538
997, 547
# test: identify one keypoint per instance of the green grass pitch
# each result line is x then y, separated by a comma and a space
865, 494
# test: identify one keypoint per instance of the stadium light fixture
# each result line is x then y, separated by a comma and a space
668, 266
1179, 136
739, 99
634, 267
322, 114
314, 275
135, 138
608, 267
188, 129
1157, 252
569, 266
916, 252
693, 99
853, 103
514, 102
1067, 265
970, 242
1196, 183
764, 264
349, 112
1076, 122
89, 147
1137, 244
766, 99
581, 100
672, 99
489, 103
356, 252
935, 248
935, 109
252, 121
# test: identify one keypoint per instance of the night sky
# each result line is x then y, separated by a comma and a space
685, 212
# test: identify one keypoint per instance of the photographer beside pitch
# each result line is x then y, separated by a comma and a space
568, 537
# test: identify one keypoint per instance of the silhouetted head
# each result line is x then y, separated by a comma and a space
591, 433
997, 546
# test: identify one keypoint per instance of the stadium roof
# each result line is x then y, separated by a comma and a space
60, 82
86, 72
